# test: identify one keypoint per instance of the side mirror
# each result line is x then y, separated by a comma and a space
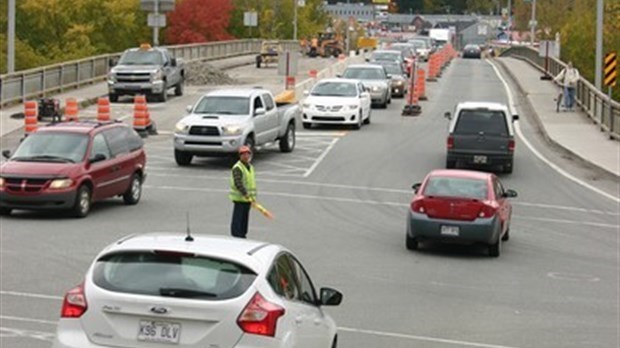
447, 115
338, 75
173, 61
259, 111
515, 118
367, 59
189, 109
510, 193
6, 154
389, 76
98, 158
306, 93
416, 187
330, 297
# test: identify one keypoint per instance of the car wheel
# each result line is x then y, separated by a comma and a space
134, 192
178, 89
249, 142
506, 235
5, 211
81, 208
496, 248
358, 125
182, 158
113, 97
367, 121
258, 60
450, 164
287, 142
412, 243
335, 342
163, 96
307, 125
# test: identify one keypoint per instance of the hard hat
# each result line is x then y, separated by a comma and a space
244, 149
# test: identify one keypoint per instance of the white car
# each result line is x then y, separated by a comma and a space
337, 101
169, 289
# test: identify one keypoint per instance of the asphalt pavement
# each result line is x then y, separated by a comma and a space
573, 131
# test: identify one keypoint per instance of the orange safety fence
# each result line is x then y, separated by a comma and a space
31, 114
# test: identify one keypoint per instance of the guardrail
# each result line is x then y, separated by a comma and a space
602, 110
52, 79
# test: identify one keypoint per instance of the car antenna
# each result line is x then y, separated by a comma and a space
189, 237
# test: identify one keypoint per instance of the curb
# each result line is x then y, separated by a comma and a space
541, 126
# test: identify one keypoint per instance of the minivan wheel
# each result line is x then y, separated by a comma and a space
134, 192
182, 158
81, 208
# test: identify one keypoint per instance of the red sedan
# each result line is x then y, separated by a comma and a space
460, 206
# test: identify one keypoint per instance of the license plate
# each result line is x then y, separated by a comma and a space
159, 331
480, 159
449, 230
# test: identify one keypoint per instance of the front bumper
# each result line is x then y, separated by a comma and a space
348, 116
480, 230
120, 88
379, 96
46, 200
208, 145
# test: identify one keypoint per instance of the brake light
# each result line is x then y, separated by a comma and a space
418, 206
260, 316
511, 145
74, 305
450, 142
487, 211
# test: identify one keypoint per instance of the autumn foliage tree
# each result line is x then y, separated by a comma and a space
195, 21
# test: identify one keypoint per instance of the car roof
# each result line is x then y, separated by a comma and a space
388, 51
339, 80
236, 92
460, 173
250, 253
363, 66
482, 105
81, 127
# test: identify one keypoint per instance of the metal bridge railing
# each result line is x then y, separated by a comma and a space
602, 110
53, 79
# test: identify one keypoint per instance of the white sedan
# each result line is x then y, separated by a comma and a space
337, 101
166, 289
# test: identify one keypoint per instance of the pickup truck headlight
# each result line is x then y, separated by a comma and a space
181, 127
61, 183
158, 75
112, 77
232, 130
353, 106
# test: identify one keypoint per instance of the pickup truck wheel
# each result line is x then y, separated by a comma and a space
178, 89
113, 97
258, 61
249, 142
287, 142
182, 158
163, 97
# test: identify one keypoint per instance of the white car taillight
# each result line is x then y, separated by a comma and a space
74, 304
260, 316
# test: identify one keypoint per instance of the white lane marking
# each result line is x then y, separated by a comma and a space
28, 320
370, 202
380, 189
321, 157
538, 154
26, 294
7, 332
422, 338
576, 277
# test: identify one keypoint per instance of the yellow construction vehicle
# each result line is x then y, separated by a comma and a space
330, 44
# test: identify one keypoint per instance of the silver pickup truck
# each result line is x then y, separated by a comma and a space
146, 70
224, 120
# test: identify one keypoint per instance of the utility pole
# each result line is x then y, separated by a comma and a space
156, 27
533, 23
598, 70
295, 21
11, 38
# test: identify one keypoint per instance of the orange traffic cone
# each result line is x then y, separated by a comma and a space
432, 68
421, 85
140, 114
103, 109
71, 109
31, 114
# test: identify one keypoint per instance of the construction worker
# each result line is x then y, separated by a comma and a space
304, 46
314, 47
242, 192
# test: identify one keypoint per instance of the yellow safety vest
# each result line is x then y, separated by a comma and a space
249, 181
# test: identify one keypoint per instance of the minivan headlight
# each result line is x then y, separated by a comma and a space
61, 183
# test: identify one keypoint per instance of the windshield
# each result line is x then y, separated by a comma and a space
385, 56
52, 147
364, 74
418, 43
221, 105
170, 274
141, 58
393, 69
336, 89
456, 187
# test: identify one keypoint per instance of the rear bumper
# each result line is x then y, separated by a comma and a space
421, 227
41, 201
470, 158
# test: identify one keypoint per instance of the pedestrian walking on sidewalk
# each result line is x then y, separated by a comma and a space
568, 78
242, 192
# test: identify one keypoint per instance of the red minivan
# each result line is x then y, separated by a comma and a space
70, 165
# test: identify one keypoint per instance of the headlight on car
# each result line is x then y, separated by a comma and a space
158, 75
60, 183
181, 127
353, 106
112, 77
400, 82
232, 130
375, 88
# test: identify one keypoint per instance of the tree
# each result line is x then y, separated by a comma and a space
199, 21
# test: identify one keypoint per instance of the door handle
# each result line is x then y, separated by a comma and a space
116, 168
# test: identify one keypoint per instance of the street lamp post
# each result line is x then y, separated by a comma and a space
599, 45
295, 21
533, 23
11, 38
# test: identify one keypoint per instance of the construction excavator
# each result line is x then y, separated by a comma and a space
326, 44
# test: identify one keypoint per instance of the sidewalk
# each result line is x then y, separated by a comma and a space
573, 131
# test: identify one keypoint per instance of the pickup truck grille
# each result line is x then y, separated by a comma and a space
133, 77
204, 130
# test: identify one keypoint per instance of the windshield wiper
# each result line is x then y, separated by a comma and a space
43, 158
180, 292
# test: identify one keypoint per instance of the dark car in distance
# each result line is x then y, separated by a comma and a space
472, 51
460, 206
70, 165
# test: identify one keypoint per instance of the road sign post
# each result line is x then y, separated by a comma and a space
610, 74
